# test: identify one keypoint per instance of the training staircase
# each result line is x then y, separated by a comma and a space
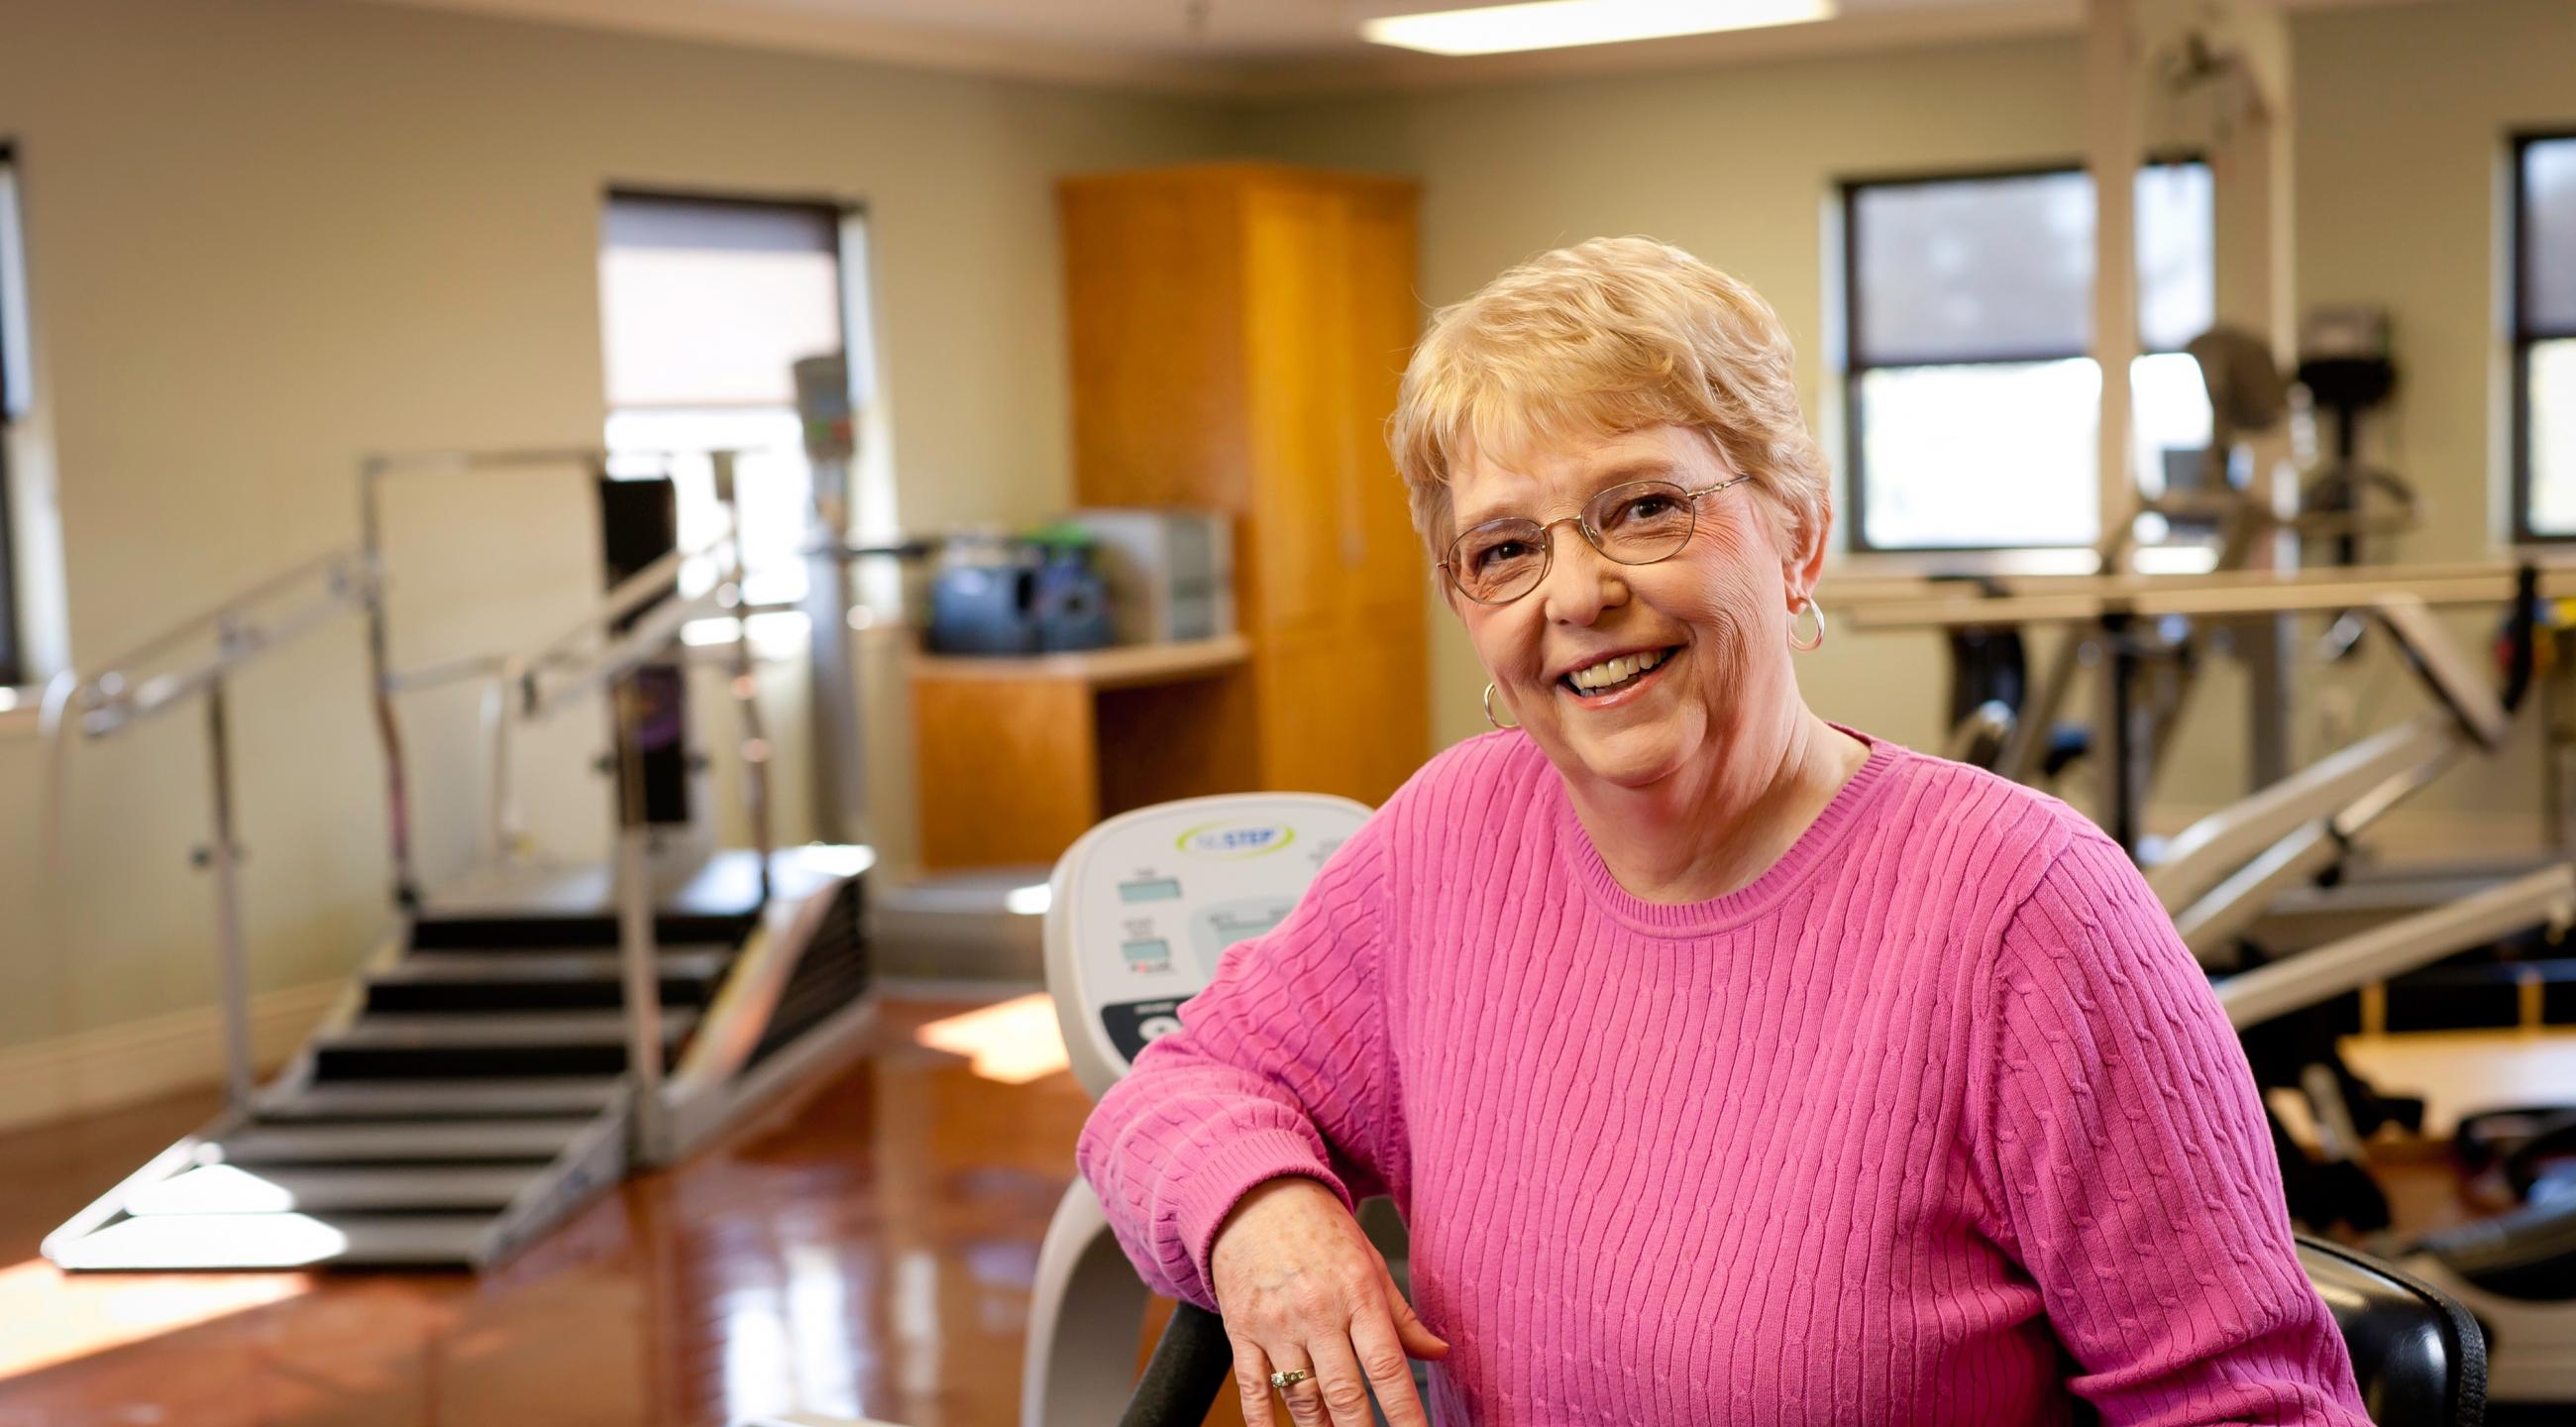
475, 1090
532, 1030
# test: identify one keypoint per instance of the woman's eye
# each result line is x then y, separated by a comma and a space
1493, 555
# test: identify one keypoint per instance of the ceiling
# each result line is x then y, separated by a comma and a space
1249, 47
1231, 46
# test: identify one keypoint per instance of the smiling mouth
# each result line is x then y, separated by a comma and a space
1599, 681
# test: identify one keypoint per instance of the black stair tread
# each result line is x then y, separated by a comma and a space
445, 966
391, 1142
218, 1241
427, 1030
725, 884
230, 1189
421, 1099
499, 932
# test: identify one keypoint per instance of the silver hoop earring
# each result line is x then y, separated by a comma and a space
1807, 606
1489, 710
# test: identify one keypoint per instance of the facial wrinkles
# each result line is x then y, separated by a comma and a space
1737, 599
1709, 596
1723, 593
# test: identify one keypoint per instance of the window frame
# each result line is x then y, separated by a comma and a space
840, 213
2522, 334
1854, 367
13, 649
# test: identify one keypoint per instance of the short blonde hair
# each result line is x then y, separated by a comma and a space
1613, 335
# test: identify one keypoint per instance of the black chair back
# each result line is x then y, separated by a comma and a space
2420, 1358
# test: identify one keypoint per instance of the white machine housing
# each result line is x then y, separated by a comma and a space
1141, 907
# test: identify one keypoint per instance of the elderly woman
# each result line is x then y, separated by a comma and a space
1726, 1064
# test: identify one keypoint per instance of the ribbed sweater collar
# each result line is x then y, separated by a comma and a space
1683, 919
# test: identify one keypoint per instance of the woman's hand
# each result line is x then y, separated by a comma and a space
1302, 1288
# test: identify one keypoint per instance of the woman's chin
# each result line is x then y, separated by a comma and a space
1629, 757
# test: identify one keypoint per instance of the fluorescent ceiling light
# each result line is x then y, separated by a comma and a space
1558, 24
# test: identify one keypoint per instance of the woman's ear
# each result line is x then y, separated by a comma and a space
1804, 563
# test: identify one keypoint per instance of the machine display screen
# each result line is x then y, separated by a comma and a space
1158, 889
1156, 949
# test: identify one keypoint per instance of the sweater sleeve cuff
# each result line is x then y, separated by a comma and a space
1232, 1169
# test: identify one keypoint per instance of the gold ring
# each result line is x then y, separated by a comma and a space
1281, 1380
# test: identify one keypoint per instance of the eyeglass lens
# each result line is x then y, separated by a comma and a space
1634, 524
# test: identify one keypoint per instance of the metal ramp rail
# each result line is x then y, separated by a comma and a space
529, 1034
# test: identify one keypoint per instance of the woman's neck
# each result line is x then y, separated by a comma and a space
1715, 828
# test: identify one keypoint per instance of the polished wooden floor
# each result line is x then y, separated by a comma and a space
866, 1250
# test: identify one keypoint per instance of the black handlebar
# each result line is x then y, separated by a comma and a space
1189, 1368
2521, 634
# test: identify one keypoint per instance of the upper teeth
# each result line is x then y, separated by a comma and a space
1611, 671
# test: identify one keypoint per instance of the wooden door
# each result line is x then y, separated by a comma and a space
1153, 296
1238, 334
1386, 321
1342, 687
1296, 328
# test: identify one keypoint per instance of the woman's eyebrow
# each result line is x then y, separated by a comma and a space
1636, 468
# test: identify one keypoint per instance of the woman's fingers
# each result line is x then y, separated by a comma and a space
1252, 1382
1305, 1397
1345, 1388
1381, 1359
1304, 1293
1411, 1332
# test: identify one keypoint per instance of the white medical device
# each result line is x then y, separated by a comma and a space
1144, 904
1141, 909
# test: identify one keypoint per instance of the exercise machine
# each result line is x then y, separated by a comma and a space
1141, 908
2515, 1270
2003, 719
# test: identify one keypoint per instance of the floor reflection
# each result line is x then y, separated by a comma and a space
865, 1251
47, 1318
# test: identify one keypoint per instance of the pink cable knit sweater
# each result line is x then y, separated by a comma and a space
1934, 1122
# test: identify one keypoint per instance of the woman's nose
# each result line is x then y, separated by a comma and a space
1581, 582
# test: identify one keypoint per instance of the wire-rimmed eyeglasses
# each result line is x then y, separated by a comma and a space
1638, 523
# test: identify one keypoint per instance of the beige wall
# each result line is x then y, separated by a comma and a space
2400, 116
268, 235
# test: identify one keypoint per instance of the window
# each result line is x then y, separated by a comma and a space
705, 306
14, 375
1971, 400
2544, 337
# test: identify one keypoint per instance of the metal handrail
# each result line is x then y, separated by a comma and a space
655, 581
384, 682
117, 696
204, 649
122, 694
628, 652
337, 562
594, 654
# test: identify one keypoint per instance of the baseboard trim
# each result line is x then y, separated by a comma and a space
134, 1061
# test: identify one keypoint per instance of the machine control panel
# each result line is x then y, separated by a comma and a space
1147, 902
